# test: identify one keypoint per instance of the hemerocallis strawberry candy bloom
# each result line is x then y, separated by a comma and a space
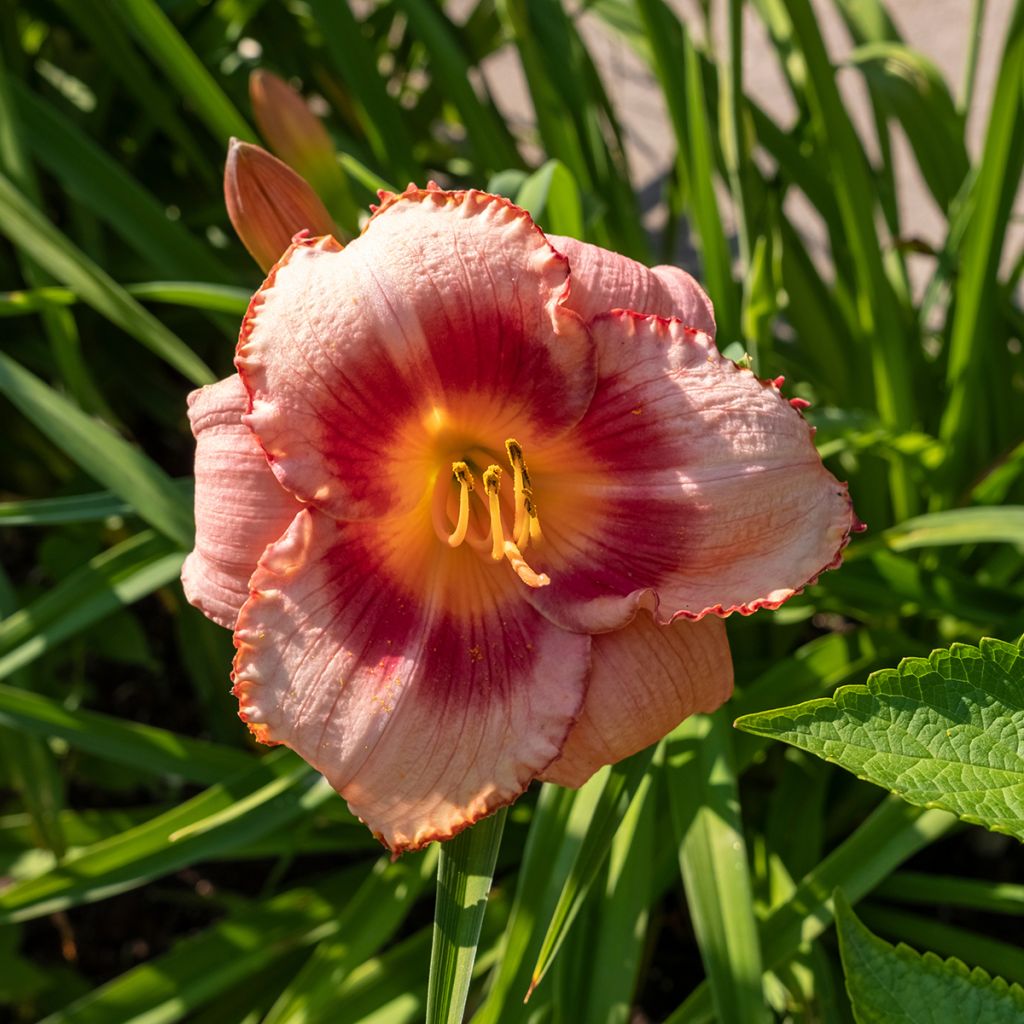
475, 505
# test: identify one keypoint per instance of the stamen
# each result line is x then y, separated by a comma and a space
523, 571
522, 490
465, 478
492, 480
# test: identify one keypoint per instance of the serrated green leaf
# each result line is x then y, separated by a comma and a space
896, 985
939, 732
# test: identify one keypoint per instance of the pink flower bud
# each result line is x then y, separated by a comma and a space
268, 203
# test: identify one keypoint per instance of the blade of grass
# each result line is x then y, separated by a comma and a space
704, 801
950, 891
464, 872
218, 298
77, 508
101, 453
26, 226
985, 525
370, 918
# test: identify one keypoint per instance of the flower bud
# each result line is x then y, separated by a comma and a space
268, 203
300, 139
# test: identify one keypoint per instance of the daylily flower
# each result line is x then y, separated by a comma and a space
475, 504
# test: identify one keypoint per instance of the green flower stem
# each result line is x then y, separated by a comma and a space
464, 873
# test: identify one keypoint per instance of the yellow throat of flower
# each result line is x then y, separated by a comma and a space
525, 525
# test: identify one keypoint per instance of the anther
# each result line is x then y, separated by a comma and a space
465, 478
522, 490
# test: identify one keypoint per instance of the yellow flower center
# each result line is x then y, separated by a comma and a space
503, 544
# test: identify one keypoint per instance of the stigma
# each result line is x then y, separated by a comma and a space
505, 544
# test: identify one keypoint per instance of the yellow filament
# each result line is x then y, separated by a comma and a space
465, 478
522, 491
523, 571
492, 480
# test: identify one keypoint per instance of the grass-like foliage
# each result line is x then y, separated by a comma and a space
156, 865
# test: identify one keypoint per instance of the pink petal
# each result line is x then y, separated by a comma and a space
442, 323
413, 677
691, 487
644, 681
240, 506
603, 281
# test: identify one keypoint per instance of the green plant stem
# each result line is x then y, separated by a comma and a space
464, 873
971, 63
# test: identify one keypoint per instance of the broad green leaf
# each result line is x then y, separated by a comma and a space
704, 801
896, 985
552, 199
156, 34
939, 732
118, 577
101, 453
464, 873
247, 806
30, 230
627, 781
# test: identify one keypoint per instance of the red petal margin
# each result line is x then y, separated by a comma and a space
425, 715
442, 325
240, 506
603, 281
691, 487
644, 681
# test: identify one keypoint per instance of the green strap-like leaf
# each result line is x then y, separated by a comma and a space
896, 985
26, 226
704, 801
941, 732
464, 873
627, 781
101, 453
118, 577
